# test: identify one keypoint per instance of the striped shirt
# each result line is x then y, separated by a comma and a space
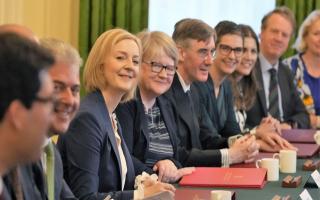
160, 146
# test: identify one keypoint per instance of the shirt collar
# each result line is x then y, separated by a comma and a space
265, 64
185, 87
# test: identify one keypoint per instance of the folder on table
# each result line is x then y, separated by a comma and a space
225, 177
306, 150
299, 135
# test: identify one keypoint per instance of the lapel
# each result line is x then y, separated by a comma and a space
106, 120
261, 93
182, 103
142, 118
164, 110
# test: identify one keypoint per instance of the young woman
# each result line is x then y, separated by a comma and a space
244, 88
306, 66
96, 159
148, 121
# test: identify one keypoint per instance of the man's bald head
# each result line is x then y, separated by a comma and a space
19, 30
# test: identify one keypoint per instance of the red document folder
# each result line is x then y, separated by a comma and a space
299, 135
225, 177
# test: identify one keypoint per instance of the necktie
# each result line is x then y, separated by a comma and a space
273, 94
16, 184
49, 150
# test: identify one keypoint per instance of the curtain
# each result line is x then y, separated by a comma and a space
301, 9
97, 16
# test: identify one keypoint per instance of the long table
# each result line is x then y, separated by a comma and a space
266, 193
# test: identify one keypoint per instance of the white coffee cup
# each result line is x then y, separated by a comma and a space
272, 166
288, 160
221, 195
316, 137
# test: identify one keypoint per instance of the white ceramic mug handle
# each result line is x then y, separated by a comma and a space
258, 163
276, 155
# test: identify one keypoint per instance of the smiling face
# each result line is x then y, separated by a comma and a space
275, 37
312, 38
121, 67
67, 91
249, 57
226, 61
152, 83
196, 59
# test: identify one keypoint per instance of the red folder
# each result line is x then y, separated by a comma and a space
299, 135
306, 150
225, 177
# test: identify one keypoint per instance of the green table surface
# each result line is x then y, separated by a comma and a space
270, 189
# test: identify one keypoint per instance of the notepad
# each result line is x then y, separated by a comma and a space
225, 177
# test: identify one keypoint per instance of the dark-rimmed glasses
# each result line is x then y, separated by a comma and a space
157, 67
226, 50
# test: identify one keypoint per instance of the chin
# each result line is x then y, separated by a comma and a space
60, 129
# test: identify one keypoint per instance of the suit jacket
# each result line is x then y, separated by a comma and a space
293, 108
196, 134
90, 154
135, 127
230, 126
33, 182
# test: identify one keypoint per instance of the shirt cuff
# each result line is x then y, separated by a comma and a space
138, 194
225, 161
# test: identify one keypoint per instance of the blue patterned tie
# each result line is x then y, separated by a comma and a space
273, 94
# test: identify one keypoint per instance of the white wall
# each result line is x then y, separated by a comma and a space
163, 14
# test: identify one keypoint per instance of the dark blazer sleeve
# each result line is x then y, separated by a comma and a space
127, 116
84, 143
293, 107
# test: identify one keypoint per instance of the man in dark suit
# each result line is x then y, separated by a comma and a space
277, 95
196, 45
25, 107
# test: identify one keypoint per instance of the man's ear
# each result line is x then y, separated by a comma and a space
182, 53
16, 114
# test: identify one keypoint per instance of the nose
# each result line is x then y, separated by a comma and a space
209, 59
66, 96
163, 73
232, 54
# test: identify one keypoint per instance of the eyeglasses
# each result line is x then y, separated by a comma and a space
204, 53
157, 67
226, 50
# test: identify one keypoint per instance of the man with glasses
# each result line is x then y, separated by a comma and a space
196, 46
277, 95
26, 103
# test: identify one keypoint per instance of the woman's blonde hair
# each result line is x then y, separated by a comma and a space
157, 43
300, 43
93, 74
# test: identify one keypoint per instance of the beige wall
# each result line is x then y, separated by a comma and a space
47, 18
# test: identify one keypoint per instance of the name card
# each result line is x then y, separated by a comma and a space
316, 177
305, 195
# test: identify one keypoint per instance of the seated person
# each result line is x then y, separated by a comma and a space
306, 66
96, 160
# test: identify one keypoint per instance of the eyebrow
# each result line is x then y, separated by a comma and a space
62, 83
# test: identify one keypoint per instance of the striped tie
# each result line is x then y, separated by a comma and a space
273, 94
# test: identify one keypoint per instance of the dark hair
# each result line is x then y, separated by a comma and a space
244, 100
227, 27
21, 62
195, 29
284, 12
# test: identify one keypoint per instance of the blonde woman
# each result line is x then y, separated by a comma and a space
306, 66
96, 159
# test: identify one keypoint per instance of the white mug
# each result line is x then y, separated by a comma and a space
221, 195
316, 137
288, 160
272, 166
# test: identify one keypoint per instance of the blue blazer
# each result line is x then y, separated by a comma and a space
230, 126
90, 154
135, 129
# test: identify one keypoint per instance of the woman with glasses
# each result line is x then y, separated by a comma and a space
148, 121
244, 88
97, 162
